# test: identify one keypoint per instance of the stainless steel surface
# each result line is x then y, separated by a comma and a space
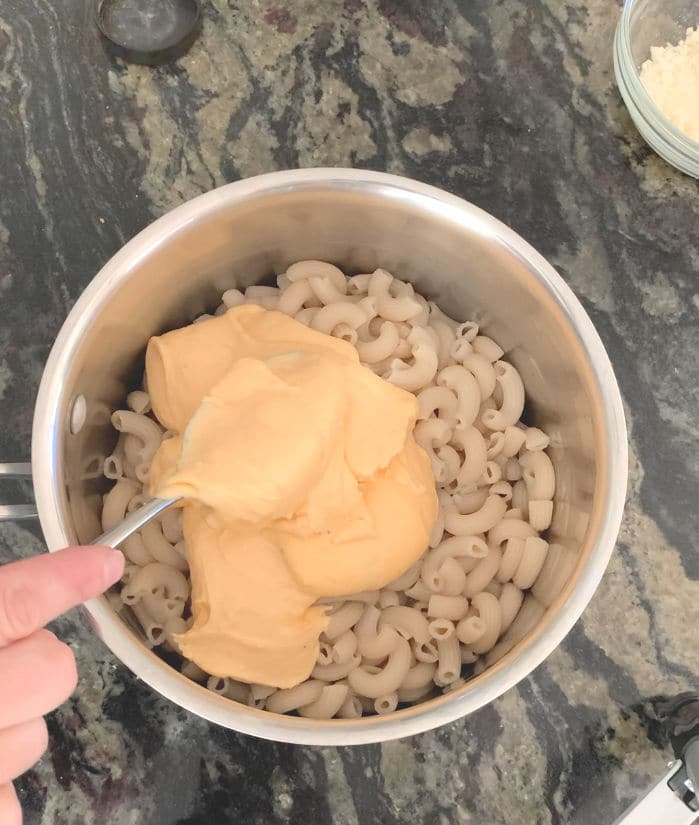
134, 521
691, 761
466, 260
660, 805
16, 512
16, 470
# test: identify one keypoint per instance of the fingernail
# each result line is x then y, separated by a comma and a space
113, 566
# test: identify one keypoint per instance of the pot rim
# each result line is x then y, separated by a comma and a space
47, 435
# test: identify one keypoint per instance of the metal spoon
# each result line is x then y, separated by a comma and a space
111, 538
134, 521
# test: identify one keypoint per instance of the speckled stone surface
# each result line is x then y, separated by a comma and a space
511, 105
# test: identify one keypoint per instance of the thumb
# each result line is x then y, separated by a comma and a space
34, 591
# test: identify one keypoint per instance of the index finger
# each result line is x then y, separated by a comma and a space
34, 591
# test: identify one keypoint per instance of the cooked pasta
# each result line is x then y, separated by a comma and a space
386, 704
486, 577
441, 629
343, 619
487, 607
331, 699
344, 648
449, 662
282, 701
447, 607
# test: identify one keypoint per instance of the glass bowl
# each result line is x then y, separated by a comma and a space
643, 24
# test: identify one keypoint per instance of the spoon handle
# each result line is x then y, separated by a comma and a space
134, 521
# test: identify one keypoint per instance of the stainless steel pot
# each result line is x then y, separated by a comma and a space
454, 253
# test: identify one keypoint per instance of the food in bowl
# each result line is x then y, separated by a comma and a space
486, 575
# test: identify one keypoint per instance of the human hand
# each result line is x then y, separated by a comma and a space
37, 671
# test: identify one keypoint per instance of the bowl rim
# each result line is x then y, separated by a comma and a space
661, 134
47, 438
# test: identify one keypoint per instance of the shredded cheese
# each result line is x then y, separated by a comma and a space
671, 78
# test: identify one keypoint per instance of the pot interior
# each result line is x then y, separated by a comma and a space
457, 256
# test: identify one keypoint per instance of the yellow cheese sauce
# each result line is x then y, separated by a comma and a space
301, 479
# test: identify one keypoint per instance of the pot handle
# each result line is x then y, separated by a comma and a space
15, 512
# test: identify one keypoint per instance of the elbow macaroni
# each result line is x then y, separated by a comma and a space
486, 577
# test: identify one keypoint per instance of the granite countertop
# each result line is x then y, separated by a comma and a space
511, 105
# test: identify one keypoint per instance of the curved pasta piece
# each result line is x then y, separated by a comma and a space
423, 316
374, 642
475, 455
511, 598
294, 297
388, 306
470, 629
388, 598
481, 521
389, 678
538, 475
356, 284
429, 434
342, 619
425, 652
462, 382
327, 705
423, 370
471, 500
453, 608
449, 662
351, 708
450, 578
145, 429
135, 550
503, 489
467, 546
344, 648
511, 557
446, 337
161, 579
232, 298
514, 438
386, 704
540, 514
333, 672
495, 444
116, 500
325, 290
381, 347
507, 529
535, 439
419, 675
310, 268
306, 315
488, 348
483, 371
450, 463
327, 318
441, 629
482, 574
138, 401
407, 621
512, 406
283, 701
264, 296
437, 400
488, 608
531, 563
160, 548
